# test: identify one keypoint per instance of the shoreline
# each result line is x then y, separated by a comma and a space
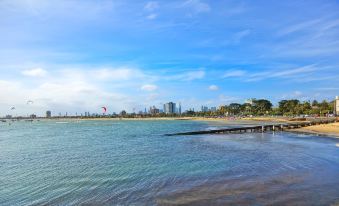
331, 130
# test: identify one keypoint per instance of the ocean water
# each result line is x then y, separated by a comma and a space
134, 163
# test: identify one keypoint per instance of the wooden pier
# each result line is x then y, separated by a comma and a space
259, 128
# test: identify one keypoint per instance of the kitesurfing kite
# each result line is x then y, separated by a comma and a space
29, 102
12, 108
104, 109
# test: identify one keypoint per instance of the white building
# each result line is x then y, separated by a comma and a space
336, 106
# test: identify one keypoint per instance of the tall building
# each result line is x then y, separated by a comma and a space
179, 109
153, 110
48, 114
336, 106
204, 109
213, 109
169, 108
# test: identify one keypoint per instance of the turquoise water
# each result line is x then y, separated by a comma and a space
133, 163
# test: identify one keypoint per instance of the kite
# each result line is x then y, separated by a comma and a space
29, 102
12, 108
104, 109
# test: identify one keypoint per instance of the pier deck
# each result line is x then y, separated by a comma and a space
258, 128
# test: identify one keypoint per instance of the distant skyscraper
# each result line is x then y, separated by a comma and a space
336, 106
204, 109
179, 110
169, 108
153, 110
213, 109
48, 114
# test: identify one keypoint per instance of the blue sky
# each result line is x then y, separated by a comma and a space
77, 56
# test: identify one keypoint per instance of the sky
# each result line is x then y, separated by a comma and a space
76, 56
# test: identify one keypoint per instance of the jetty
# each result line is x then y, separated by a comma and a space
257, 128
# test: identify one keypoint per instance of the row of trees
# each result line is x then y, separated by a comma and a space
265, 107
295, 107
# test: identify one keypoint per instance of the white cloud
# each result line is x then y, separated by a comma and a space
213, 87
149, 87
67, 96
328, 89
68, 89
288, 73
227, 99
197, 5
234, 73
298, 27
36, 72
152, 16
194, 75
240, 35
186, 76
295, 95
151, 6
311, 38
117, 74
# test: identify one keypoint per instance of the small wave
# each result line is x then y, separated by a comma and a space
61, 122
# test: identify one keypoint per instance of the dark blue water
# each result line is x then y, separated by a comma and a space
133, 163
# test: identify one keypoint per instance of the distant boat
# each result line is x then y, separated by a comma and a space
29, 120
3, 120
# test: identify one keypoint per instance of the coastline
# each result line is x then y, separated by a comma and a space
225, 119
331, 129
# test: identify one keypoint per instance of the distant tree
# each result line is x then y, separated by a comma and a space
190, 113
325, 107
246, 108
289, 107
123, 113
261, 106
315, 103
222, 110
234, 108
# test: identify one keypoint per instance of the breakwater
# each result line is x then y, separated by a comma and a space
258, 128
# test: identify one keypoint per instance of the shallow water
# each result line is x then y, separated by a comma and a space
133, 163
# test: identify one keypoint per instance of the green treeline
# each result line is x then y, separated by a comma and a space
265, 107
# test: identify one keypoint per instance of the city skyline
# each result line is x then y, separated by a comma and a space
72, 56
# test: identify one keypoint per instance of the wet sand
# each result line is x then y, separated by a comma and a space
331, 129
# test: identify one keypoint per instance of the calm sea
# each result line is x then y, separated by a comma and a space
133, 163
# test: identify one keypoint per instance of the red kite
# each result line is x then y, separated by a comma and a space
104, 108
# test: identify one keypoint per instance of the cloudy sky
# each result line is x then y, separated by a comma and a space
76, 56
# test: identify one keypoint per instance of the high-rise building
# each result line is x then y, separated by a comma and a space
336, 106
48, 114
204, 109
169, 108
179, 109
153, 110
213, 109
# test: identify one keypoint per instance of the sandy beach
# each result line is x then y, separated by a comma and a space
331, 129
